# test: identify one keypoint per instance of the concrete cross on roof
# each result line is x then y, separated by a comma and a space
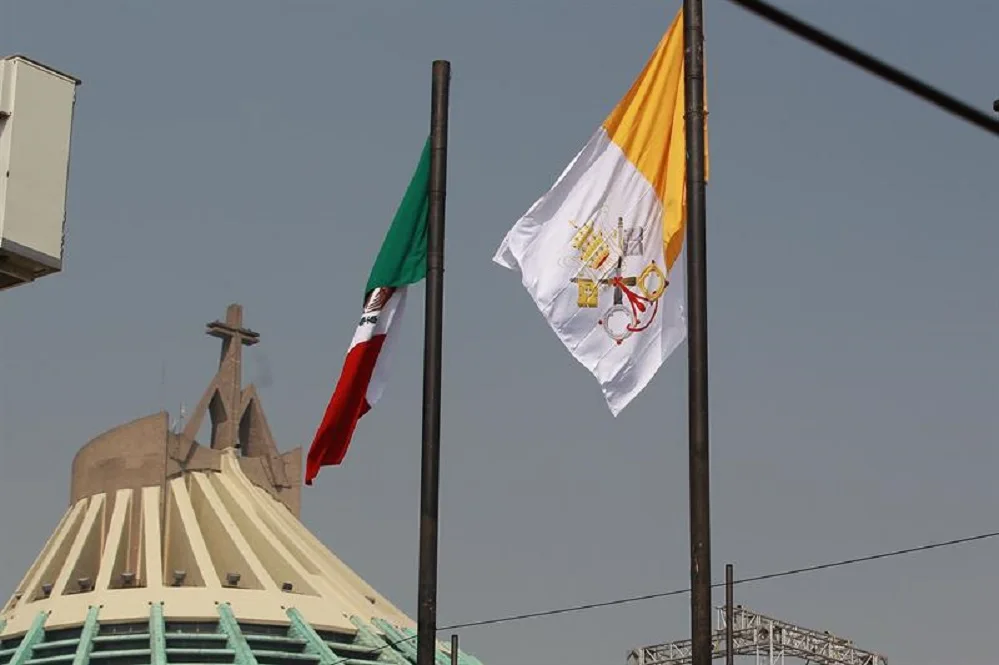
225, 407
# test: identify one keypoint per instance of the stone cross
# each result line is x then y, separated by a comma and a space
224, 408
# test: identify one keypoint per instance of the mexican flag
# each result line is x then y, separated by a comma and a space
401, 261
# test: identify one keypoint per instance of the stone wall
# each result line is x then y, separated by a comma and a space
132, 456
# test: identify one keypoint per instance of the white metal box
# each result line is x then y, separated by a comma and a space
36, 120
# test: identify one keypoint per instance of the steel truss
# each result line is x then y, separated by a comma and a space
769, 640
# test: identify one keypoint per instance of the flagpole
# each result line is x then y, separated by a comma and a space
433, 335
697, 343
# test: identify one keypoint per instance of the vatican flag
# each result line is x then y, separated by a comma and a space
602, 252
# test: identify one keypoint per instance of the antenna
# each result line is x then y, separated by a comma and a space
178, 424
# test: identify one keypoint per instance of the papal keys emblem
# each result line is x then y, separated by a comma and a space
601, 268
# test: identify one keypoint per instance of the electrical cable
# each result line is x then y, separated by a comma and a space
872, 65
988, 535
745, 580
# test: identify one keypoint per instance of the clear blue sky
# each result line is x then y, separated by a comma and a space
255, 152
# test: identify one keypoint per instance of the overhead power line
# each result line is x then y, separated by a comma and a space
871, 64
746, 580
679, 592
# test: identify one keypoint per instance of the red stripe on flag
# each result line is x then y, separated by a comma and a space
346, 407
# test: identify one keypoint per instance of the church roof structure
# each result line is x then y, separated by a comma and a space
174, 551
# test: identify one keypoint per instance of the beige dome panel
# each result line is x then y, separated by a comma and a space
225, 540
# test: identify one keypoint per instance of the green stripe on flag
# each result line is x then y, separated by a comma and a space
402, 260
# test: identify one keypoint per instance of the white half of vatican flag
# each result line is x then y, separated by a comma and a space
602, 252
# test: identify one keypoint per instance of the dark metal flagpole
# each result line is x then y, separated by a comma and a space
697, 343
434, 327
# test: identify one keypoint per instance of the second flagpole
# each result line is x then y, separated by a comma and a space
697, 342
426, 619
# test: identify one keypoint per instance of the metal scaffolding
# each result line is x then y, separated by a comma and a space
767, 639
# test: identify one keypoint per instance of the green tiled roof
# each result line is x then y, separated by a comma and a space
226, 641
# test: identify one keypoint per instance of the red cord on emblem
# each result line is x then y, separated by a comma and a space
638, 305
